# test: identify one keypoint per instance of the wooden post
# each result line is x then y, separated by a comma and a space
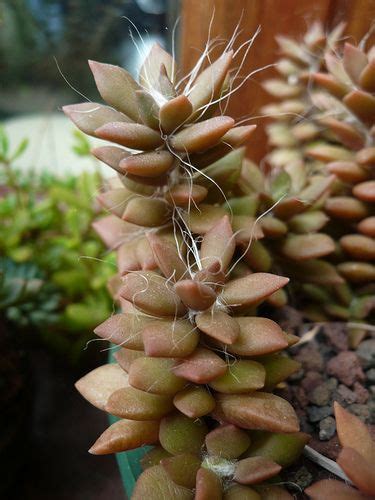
289, 17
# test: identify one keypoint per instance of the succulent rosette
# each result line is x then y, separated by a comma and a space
195, 366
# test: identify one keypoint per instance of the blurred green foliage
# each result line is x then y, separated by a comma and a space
46, 222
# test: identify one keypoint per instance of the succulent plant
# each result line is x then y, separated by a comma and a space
46, 224
196, 366
356, 459
26, 299
324, 129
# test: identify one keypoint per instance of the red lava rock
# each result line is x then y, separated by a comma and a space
311, 380
345, 396
346, 368
311, 358
290, 319
361, 393
300, 396
336, 336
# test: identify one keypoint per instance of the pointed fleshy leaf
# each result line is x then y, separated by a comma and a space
218, 325
278, 368
153, 164
126, 435
367, 77
360, 471
195, 295
153, 457
330, 488
362, 104
125, 357
354, 61
366, 156
148, 109
124, 330
316, 271
330, 83
273, 227
186, 195
346, 133
117, 87
115, 200
174, 113
251, 289
182, 469
346, 207
307, 246
130, 135
348, 171
283, 449
246, 229
238, 135
180, 434
97, 386
258, 410
326, 152
216, 173
148, 212
258, 257
114, 231
134, 404
242, 376
167, 257
353, 433
273, 492
89, 116
365, 191
150, 70
202, 135
257, 336
111, 155
194, 401
254, 470
218, 244
128, 260
357, 272
367, 226
155, 376
201, 367
241, 492
152, 293
207, 86
203, 219
170, 338
227, 441
154, 484
308, 222
208, 485
359, 247
280, 89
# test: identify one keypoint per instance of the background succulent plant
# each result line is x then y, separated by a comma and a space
46, 237
196, 365
327, 93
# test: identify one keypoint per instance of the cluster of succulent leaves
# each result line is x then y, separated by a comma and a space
26, 299
56, 269
322, 159
196, 365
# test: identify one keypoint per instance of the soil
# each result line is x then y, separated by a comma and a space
331, 371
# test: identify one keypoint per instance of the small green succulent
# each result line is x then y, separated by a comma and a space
46, 224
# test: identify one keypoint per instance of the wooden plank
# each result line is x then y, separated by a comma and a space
289, 17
